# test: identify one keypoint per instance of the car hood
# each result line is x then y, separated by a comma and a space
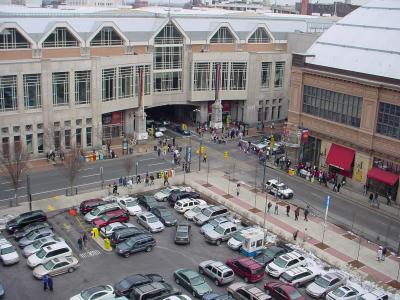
19, 234
33, 260
11, 222
234, 242
202, 289
120, 288
9, 256
315, 289
206, 227
29, 249
25, 241
39, 271
190, 214
157, 224
287, 191
201, 217
134, 209
213, 234
160, 195
76, 297
170, 219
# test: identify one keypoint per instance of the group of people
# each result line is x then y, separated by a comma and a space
288, 207
381, 253
82, 241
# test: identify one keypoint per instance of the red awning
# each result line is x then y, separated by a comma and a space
340, 157
383, 176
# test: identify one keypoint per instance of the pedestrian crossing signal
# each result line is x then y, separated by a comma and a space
226, 154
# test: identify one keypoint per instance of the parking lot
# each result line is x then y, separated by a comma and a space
101, 267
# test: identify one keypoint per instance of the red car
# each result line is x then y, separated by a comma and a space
118, 215
249, 269
282, 291
88, 205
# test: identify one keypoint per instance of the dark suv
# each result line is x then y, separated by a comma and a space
153, 291
25, 219
126, 285
88, 205
181, 195
143, 242
123, 234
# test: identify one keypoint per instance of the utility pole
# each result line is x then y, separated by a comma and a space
101, 177
28, 191
137, 165
265, 217
265, 170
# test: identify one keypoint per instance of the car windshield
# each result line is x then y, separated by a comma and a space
104, 217
257, 271
339, 293
7, 250
287, 277
166, 213
295, 295
197, 280
108, 228
322, 282
37, 244
207, 212
41, 253
95, 212
181, 233
282, 187
131, 203
152, 220
49, 265
269, 252
31, 235
237, 236
125, 284
219, 229
280, 262
196, 209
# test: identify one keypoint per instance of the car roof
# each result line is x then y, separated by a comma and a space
297, 270
115, 212
150, 287
249, 263
147, 214
56, 246
190, 273
95, 200
220, 266
290, 255
332, 275
226, 225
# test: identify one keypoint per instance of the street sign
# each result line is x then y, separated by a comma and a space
327, 200
226, 155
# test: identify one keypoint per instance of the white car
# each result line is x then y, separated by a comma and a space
130, 204
108, 230
375, 295
158, 134
194, 211
178, 297
236, 240
48, 253
100, 292
299, 276
274, 186
150, 222
39, 244
184, 205
164, 193
343, 293
284, 263
162, 129
322, 285
8, 254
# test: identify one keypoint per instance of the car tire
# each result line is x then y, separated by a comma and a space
218, 242
127, 254
70, 270
201, 271
149, 248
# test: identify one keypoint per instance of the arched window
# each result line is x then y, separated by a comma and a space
107, 36
10, 38
223, 36
61, 37
260, 36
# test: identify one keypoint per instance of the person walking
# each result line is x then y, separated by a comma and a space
159, 152
276, 195
276, 208
295, 235
237, 190
371, 199
45, 281
84, 239
365, 190
115, 188
376, 197
120, 181
297, 214
338, 187
306, 212
269, 206
166, 179
379, 254
80, 246
109, 189
288, 210
205, 158
389, 199
50, 283
384, 251
151, 179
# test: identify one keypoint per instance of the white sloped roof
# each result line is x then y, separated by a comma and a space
366, 41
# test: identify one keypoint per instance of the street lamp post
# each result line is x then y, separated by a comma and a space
28, 190
201, 145
265, 170
137, 165
265, 217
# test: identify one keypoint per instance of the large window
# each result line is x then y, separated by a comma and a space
8, 93
109, 84
147, 80
125, 82
107, 36
29, 143
265, 74
201, 77
279, 74
10, 38
60, 88
224, 75
60, 38
222, 36
88, 136
32, 91
40, 142
338, 107
82, 87
389, 120
260, 36
238, 76
167, 58
167, 81
169, 35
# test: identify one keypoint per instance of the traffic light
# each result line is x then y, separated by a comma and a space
226, 155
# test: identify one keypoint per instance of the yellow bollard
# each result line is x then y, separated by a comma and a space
107, 244
95, 233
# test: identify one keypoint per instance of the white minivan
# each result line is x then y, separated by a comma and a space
184, 205
48, 253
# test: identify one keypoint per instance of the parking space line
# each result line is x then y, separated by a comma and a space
50, 207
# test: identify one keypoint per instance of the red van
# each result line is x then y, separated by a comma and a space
249, 269
88, 205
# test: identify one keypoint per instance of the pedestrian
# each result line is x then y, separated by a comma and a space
138, 179
80, 244
109, 189
338, 187
50, 283
124, 182
84, 239
120, 181
151, 179
376, 197
295, 235
45, 281
205, 158
269, 206
288, 210
146, 181
237, 190
371, 199
166, 179
276, 195
306, 212
365, 190
384, 251
389, 199
159, 152
334, 186
297, 214
115, 188
276, 208
379, 254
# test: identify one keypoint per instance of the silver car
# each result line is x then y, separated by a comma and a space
34, 236
221, 233
322, 285
150, 222
56, 266
210, 225
8, 254
39, 244
217, 271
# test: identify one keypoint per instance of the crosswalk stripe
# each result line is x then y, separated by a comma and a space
90, 253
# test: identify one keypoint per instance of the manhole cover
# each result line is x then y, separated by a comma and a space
207, 185
356, 264
254, 210
227, 196
321, 246
350, 236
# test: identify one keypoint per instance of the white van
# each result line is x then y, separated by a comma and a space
100, 210
183, 205
48, 253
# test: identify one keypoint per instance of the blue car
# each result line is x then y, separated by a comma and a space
214, 296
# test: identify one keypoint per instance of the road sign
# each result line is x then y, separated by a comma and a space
226, 155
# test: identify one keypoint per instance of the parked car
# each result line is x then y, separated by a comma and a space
299, 276
143, 242
48, 253
221, 233
214, 296
246, 268
25, 219
181, 195
179, 129
182, 234
125, 286
34, 236
210, 213
118, 215
164, 215
284, 263
100, 292
282, 291
147, 202
184, 205
122, 235
244, 291
323, 284
150, 222
163, 194
194, 211
88, 205
8, 254
217, 271
19, 234
192, 281
210, 225
130, 204
101, 210
343, 293
269, 254
154, 291
39, 244
375, 295
107, 231
274, 186
179, 297
56, 266
2, 290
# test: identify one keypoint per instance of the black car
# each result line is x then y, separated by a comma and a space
125, 286
165, 215
121, 235
147, 202
269, 254
25, 219
181, 195
182, 234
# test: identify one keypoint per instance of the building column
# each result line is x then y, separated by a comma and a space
140, 124
202, 116
129, 120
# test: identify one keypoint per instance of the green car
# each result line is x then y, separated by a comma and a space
192, 281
